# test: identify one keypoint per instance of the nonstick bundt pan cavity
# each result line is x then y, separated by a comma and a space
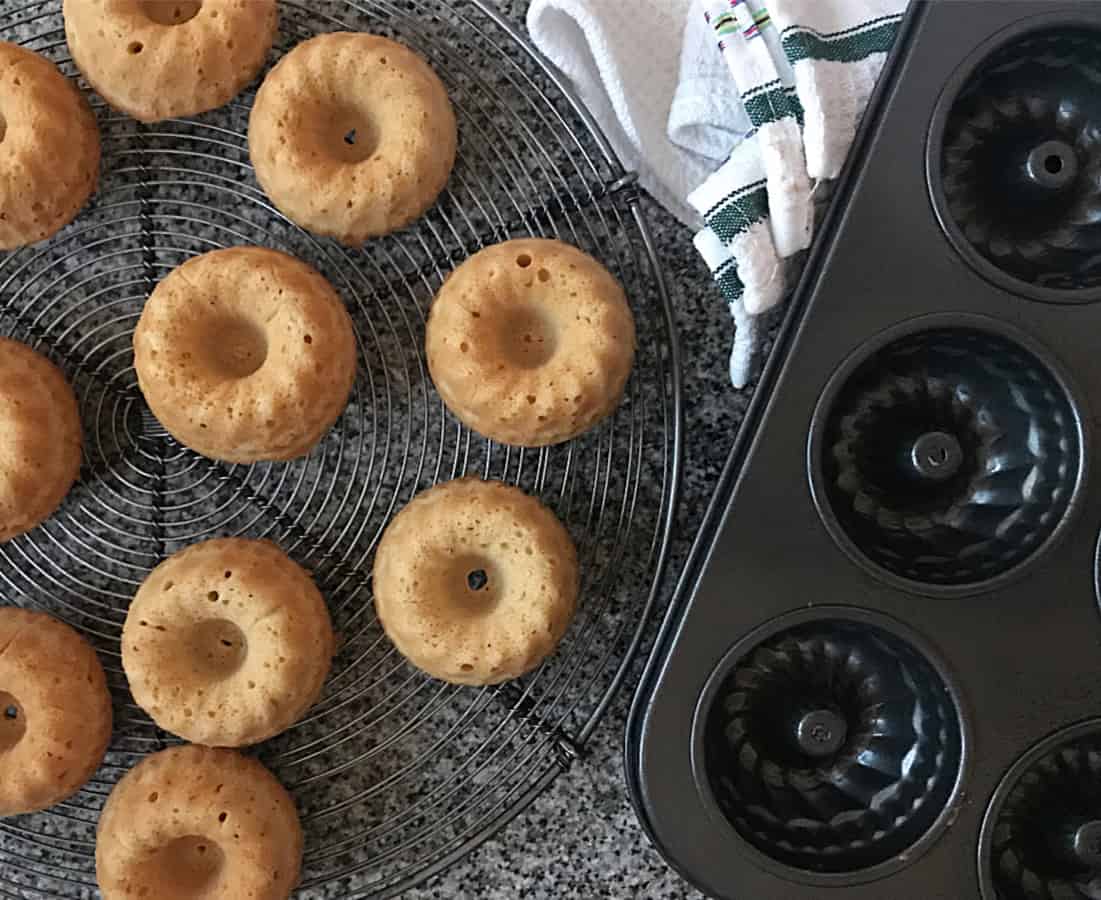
1041, 839
1017, 150
894, 600
946, 456
830, 744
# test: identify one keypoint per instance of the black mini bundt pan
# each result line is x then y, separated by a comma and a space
832, 746
1041, 838
1015, 163
946, 457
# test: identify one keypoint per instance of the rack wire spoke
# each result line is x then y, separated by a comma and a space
395, 775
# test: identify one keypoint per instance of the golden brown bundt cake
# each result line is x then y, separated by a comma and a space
352, 136
245, 354
164, 59
193, 822
475, 582
40, 438
531, 342
227, 642
55, 711
49, 148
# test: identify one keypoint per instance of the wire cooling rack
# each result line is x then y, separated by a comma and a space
396, 775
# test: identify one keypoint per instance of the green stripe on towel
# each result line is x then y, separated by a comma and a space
731, 219
736, 194
849, 46
772, 106
730, 285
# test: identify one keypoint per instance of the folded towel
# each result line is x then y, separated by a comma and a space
737, 245
804, 70
649, 76
766, 83
745, 134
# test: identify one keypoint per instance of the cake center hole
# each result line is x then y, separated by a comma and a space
218, 647
235, 347
171, 12
528, 337
473, 584
13, 724
355, 136
1054, 164
191, 864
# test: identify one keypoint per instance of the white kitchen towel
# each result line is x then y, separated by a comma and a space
737, 245
706, 117
746, 327
766, 84
836, 50
805, 70
649, 76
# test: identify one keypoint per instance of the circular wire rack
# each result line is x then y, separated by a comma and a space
396, 775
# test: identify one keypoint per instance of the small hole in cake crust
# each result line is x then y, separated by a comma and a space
212, 596
467, 667
3, 127
544, 275
355, 136
477, 579
523, 260
135, 47
308, 338
13, 721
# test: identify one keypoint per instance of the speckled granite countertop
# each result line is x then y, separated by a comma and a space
581, 839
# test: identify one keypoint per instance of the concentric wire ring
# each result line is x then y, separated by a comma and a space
395, 775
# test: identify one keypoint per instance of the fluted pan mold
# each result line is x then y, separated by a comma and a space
1043, 842
949, 456
1021, 160
833, 746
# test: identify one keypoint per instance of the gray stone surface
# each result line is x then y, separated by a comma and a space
580, 839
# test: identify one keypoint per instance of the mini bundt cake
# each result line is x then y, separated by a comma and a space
352, 136
40, 438
192, 822
245, 355
531, 342
49, 148
227, 642
164, 59
55, 711
475, 582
